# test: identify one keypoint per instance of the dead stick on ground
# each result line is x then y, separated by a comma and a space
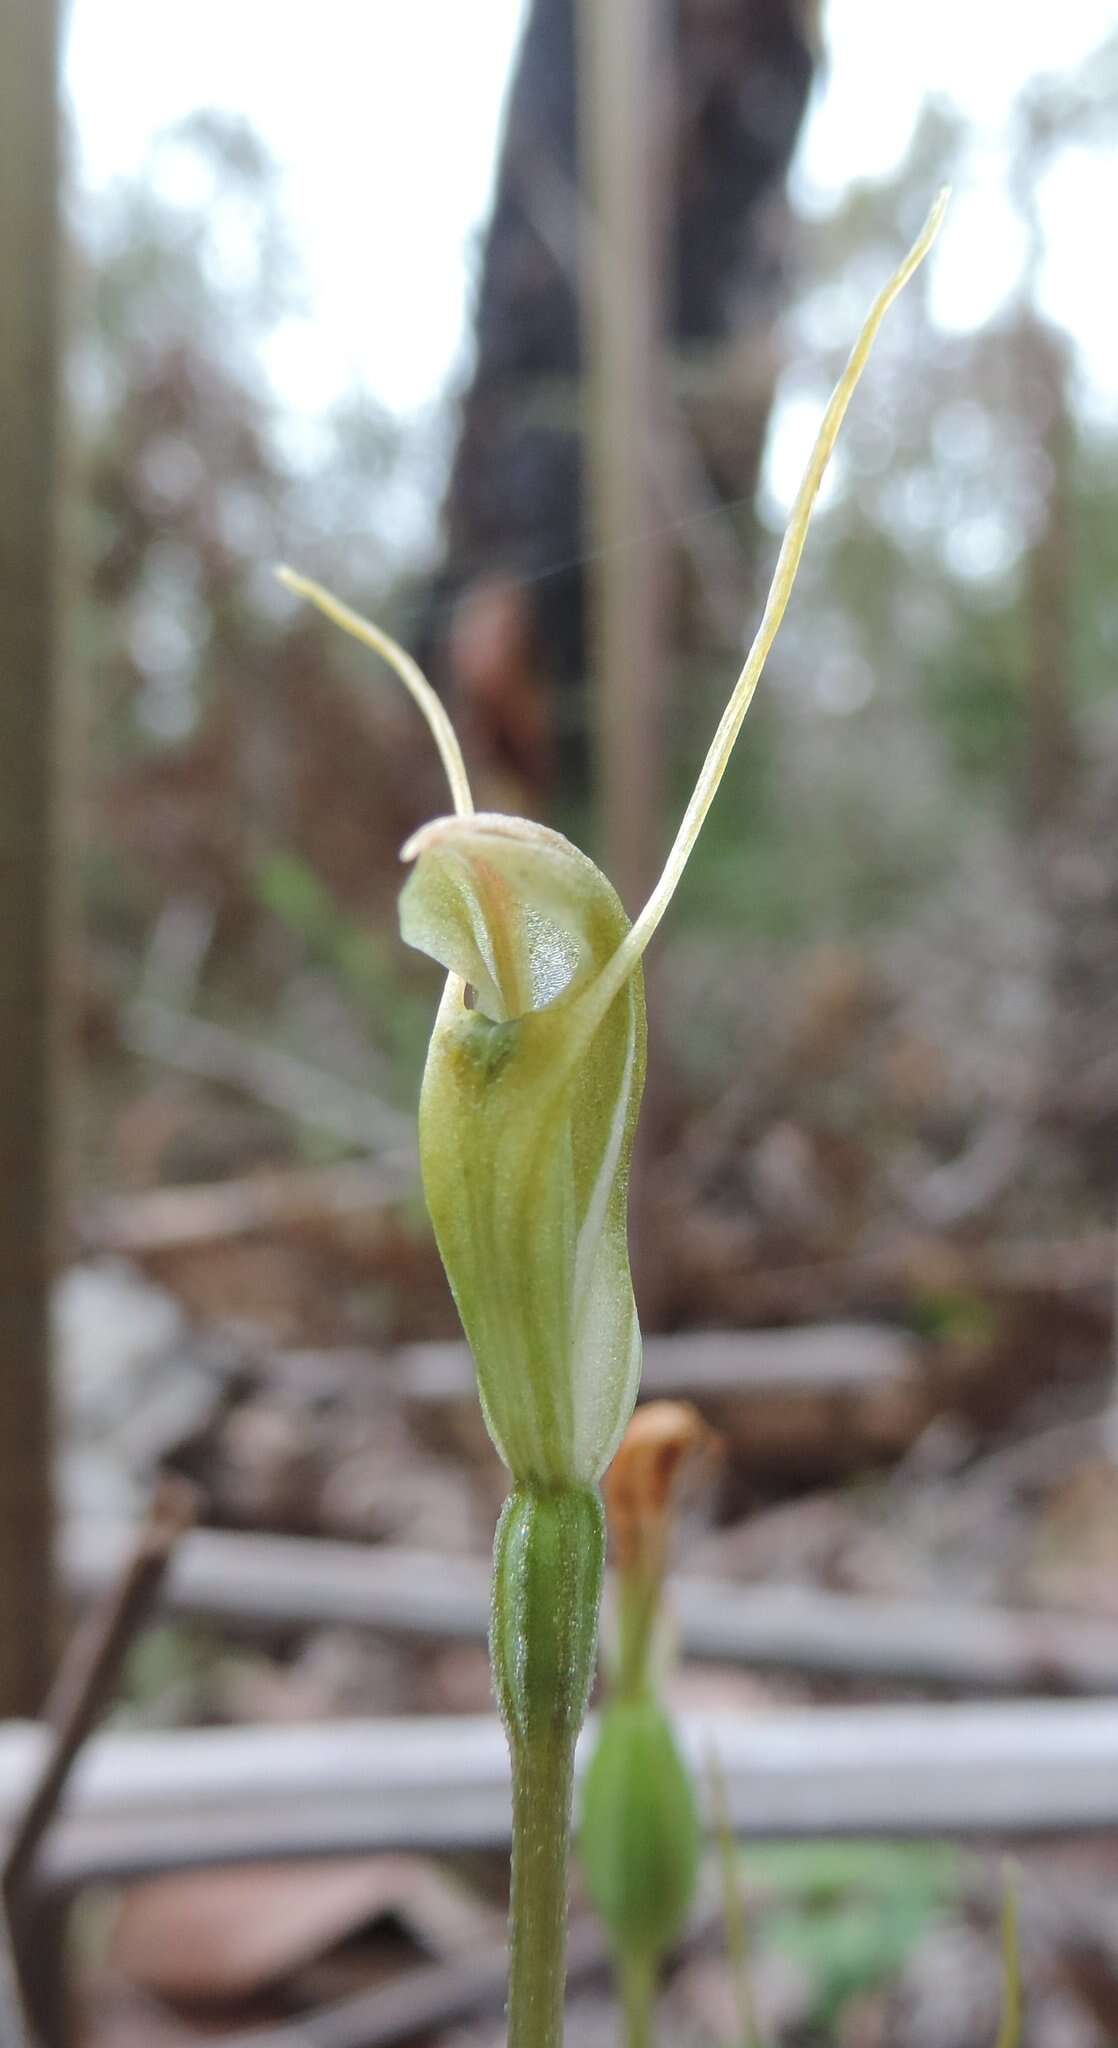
321, 1100
295, 1202
273, 1584
89, 1673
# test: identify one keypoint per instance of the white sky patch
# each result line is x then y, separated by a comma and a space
384, 121
884, 62
982, 260
1078, 209
885, 59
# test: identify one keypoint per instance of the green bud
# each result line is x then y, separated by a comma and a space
548, 1560
639, 1835
526, 1124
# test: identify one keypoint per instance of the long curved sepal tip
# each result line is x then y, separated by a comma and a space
409, 672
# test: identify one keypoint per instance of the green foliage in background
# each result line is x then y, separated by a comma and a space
361, 960
850, 1913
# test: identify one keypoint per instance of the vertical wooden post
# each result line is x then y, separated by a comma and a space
622, 96
28, 827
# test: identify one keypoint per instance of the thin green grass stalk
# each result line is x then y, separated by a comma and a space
637, 1976
638, 1612
734, 1917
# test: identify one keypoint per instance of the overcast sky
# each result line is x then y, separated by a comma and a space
384, 121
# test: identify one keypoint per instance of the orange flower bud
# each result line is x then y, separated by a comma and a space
663, 1439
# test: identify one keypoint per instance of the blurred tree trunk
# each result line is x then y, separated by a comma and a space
506, 630
28, 326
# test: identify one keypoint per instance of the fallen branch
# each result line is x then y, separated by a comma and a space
283, 1582
89, 1673
300, 1201
975, 1649
144, 1803
831, 1359
210, 1052
822, 1398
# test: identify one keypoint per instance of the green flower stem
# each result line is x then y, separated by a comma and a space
638, 1607
548, 1558
637, 1973
542, 1779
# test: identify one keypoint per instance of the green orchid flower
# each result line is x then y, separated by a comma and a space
528, 1109
536, 1062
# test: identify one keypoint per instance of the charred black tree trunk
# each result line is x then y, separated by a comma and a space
506, 633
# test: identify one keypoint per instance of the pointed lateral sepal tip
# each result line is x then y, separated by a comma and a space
408, 671
780, 590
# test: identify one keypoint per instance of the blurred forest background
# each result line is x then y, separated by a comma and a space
891, 974
885, 1007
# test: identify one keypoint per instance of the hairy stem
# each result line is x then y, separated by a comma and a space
542, 1778
547, 1580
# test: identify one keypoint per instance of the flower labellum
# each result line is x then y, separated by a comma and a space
536, 1063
